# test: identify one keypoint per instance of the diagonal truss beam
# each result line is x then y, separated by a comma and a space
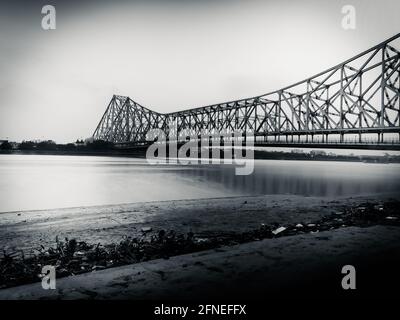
360, 95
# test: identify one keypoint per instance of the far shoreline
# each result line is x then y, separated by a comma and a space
258, 155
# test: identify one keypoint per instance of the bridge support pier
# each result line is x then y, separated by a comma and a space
380, 137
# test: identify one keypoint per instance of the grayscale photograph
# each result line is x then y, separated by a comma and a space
198, 158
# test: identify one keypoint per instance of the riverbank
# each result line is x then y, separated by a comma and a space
297, 267
196, 225
29, 230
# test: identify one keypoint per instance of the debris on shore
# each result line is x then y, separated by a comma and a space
71, 257
278, 230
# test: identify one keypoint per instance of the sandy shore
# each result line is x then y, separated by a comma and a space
307, 263
28, 230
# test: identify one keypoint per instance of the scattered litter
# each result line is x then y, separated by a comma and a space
95, 268
378, 207
279, 230
299, 225
311, 225
146, 229
200, 240
79, 254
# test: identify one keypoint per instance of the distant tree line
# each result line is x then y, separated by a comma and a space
50, 145
6, 146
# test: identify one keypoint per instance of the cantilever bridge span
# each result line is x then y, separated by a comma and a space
359, 98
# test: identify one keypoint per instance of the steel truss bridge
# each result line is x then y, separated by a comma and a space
359, 98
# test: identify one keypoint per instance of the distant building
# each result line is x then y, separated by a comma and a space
79, 143
317, 153
89, 140
296, 151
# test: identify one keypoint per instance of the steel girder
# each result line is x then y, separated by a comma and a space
360, 95
127, 121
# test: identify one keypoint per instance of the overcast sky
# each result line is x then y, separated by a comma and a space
166, 55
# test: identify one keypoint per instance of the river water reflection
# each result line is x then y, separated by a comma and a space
30, 182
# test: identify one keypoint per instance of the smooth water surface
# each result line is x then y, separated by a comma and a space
29, 182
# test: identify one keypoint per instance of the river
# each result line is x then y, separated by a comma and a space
31, 182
